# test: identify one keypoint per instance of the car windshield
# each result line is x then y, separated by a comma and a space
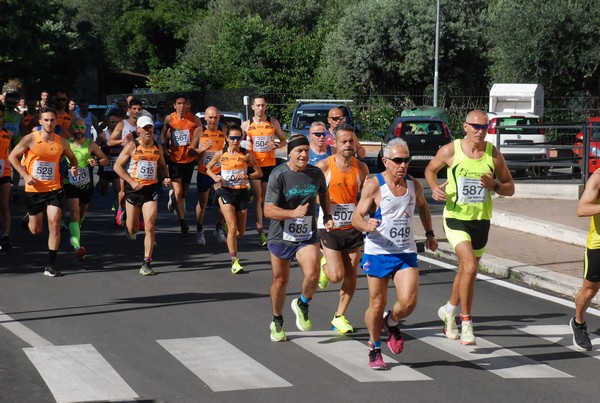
596, 131
421, 129
521, 122
304, 118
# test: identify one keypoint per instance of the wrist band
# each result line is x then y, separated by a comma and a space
430, 233
496, 186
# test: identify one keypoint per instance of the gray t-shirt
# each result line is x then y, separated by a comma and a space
288, 189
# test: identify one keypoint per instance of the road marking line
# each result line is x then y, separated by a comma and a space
351, 357
23, 332
487, 355
222, 366
78, 373
559, 334
506, 284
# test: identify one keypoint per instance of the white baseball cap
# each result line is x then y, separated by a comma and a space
145, 121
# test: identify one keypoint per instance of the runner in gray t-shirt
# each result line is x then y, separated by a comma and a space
291, 204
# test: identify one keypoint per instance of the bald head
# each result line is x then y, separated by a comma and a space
335, 117
476, 115
212, 116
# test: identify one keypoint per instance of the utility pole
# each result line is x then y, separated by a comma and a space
436, 74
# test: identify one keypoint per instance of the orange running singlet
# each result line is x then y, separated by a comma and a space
144, 164
42, 163
259, 135
231, 166
182, 131
343, 192
218, 139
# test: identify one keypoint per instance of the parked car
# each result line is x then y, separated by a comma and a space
226, 117
316, 110
593, 134
522, 130
424, 136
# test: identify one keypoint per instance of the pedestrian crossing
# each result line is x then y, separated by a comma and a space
81, 373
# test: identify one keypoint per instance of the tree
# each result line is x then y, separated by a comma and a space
554, 43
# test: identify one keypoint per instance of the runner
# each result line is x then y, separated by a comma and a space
123, 133
319, 149
141, 186
341, 246
43, 189
211, 142
390, 249
291, 204
471, 165
335, 118
260, 131
5, 173
79, 189
233, 193
588, 207
180, 133
106, 174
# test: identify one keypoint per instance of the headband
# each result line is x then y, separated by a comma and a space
299, 141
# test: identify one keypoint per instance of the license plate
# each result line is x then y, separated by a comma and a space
422, 157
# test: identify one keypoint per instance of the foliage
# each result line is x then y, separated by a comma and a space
555, 43
374, 117
38, 44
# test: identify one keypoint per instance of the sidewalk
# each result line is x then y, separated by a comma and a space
538, 242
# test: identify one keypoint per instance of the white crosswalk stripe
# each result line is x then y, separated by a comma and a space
78, 373
560, 334
204, 356
350, 357
489, 356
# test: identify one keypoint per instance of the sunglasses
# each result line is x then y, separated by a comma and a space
399, 160
319, 134
78, 127
235, 138
478, 127
336, 118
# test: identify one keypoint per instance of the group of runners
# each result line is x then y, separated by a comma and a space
320, 202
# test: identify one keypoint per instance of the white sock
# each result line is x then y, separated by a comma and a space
390, 322
451, 309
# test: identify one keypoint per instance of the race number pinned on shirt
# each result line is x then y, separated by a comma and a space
342, 214
397, 232
181, 137
44, 170
261, 143
297, 229
208, 156
470, 191
229, 175
82, 178
146, 170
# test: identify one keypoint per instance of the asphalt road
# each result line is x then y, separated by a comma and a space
197, 333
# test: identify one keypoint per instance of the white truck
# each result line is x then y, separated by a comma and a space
519, 107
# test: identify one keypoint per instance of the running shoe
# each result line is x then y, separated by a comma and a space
184, 228
119, 218
467, 338
236, 267
303, 321
172, 203
200, 240
395, 342
262, 238
5, 243
220, 235
277, 332
581, 339
341, 325
146, 270
323, 279
376, 359
51, 271
450, 328
80, 253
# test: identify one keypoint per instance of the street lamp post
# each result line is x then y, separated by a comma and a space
437, 50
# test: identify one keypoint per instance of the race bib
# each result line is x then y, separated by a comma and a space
398, 232
181, 137
208, 156
297, 229
470, 191
229, 176
44, 170
146, 170
261, 143
342, 214
82, 178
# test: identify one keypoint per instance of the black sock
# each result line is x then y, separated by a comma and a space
578, 324
52, 257
278, 318
199, 227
